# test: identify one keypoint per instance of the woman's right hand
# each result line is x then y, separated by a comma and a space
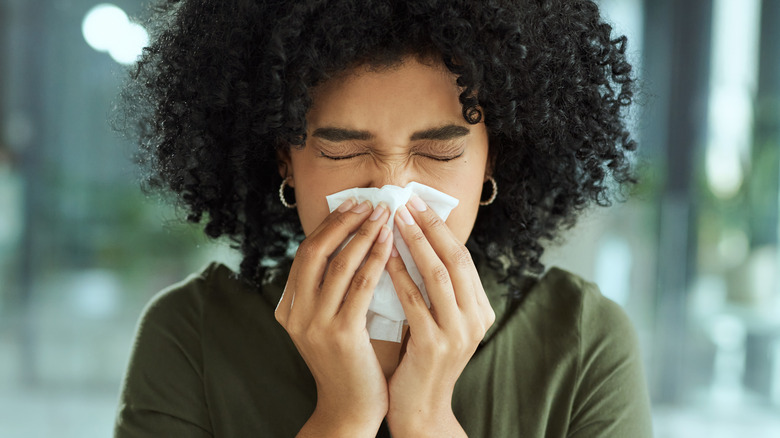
324, 308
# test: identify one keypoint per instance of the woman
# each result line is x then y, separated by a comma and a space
253, 112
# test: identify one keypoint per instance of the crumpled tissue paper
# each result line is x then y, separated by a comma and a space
386, 317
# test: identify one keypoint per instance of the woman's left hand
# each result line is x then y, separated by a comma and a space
442, 339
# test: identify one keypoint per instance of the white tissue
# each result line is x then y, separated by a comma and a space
386, 317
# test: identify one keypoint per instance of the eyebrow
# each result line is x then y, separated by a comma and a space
446, 132
340, 134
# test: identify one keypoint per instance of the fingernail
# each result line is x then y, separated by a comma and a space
384, 234
362, 207
394, 252
405, 216
346, 205
417, 203
378, 211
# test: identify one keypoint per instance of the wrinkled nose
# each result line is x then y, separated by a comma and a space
396, 174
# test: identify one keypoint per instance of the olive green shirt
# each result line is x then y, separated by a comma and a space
210, 360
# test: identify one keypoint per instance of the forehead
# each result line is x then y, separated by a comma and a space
395, 100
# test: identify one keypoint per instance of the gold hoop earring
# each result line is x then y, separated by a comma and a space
281, 194
495, 192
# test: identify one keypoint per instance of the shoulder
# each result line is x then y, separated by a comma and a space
163, 384
595, 318
574, 311
173, 320
211, 304
562, 316
564, 354
559, 284
188, 289
610, 389
559, 300
568, 299
184, 301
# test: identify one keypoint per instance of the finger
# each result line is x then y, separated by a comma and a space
343, 267
416, 310
484, 309
481, 296
310, 260
435, 276
282, 311
455, 256
363, 283
341, 222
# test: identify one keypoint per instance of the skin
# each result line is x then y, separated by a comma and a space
390, 126
391, 105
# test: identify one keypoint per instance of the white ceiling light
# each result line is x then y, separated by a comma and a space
107, 28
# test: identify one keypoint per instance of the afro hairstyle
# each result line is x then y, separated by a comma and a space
225, 84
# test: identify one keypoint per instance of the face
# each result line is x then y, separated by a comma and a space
392, 126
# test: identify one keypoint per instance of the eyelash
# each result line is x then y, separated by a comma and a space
347, 157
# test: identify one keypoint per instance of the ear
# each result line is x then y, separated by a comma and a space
284, 163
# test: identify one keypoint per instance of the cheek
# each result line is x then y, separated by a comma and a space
310, 216
312, 208
310, 192
461, 220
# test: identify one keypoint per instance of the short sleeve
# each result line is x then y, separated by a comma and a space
163, 392
611, 398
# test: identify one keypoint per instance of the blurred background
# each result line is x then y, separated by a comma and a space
693, 257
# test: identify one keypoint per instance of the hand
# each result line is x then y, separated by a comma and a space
442, 339
324, 308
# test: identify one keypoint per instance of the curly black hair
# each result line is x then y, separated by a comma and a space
225, 84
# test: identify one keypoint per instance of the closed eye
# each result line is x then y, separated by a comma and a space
432, 157
342, 157
439, 158
439, 150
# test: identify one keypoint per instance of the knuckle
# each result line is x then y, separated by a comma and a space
364, 232
317, 332
310, 334
490, 317
464, 341
340, 220
433, 221
413, 296
461, 257
376, 252
279, 318
477, 329
477, 334
361, 281
342, 339
338, 265
440, 275
307, 250
461, 344
418, 235
441, 347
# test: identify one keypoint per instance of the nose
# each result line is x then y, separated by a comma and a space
396, 174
